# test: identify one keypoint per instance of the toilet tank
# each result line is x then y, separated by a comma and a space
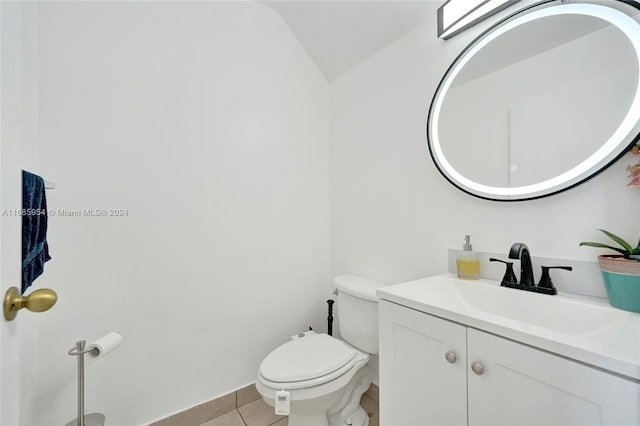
357, 308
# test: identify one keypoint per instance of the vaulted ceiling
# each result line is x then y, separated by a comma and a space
339, 34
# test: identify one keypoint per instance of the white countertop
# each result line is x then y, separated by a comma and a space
582, 328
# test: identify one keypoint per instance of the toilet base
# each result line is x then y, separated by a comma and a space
345, 411
352, 412
358, 418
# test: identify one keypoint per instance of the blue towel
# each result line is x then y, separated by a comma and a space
35, 250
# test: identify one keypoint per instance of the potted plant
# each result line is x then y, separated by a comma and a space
621, 272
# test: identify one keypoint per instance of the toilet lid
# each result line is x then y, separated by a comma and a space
306, 358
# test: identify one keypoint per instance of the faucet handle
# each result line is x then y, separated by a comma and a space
545, 279
509, 278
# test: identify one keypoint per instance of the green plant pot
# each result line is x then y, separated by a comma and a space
623, 290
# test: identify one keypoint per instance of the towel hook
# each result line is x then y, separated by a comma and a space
38, 301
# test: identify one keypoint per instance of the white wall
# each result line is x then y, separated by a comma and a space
393, 216
208, 123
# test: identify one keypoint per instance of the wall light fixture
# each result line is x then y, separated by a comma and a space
457, 15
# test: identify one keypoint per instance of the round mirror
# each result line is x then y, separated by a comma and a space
540, 102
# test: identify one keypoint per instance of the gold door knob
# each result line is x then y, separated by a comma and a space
38, 301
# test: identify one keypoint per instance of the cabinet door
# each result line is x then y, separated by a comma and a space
418, 385
521, 385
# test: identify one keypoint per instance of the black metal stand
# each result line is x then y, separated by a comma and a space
330, 302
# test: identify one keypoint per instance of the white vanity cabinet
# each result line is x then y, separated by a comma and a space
418, 386
438, 372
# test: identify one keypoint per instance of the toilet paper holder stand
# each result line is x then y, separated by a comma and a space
93, 419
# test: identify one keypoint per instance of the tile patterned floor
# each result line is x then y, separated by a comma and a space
256, 413
245, 407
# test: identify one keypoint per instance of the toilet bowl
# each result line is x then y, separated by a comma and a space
322, 378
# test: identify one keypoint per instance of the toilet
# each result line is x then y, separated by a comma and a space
322, 378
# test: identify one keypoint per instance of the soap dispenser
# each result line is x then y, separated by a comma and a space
467, 261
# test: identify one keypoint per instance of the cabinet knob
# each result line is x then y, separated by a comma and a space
477, 368
450, 357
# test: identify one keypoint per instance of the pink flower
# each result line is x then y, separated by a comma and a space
634, 174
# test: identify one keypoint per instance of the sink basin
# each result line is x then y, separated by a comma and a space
583, 328
488, 300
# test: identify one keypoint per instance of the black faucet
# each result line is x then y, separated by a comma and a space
521, 251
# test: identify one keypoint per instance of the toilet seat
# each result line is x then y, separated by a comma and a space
308, 383
307, 361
